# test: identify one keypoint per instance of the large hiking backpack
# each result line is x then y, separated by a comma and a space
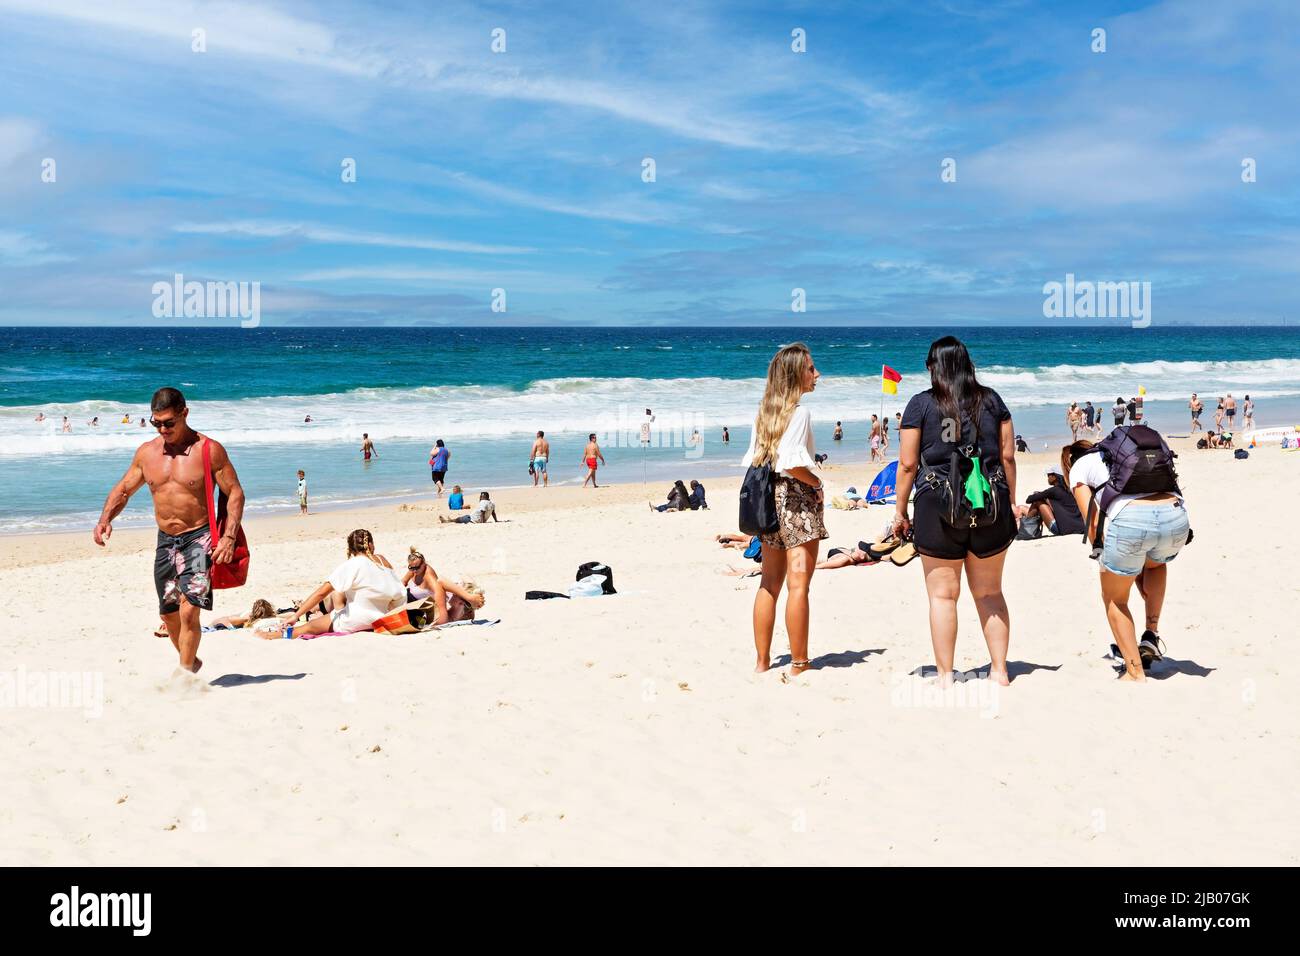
1140, 463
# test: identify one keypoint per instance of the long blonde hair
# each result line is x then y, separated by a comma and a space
784, 388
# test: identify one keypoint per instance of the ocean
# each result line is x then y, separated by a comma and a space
486, 391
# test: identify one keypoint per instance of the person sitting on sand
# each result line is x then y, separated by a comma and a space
482, 511
679, 499
420, 580
361, 590
1054, 505
456, 500
696, 499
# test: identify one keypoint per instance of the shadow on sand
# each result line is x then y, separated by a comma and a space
1014, 669
841, 659
240, 680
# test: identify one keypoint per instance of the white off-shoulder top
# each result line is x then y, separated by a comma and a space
796, 447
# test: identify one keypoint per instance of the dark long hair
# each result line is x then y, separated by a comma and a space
957, 392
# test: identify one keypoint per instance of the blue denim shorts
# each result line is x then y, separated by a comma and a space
1143, 533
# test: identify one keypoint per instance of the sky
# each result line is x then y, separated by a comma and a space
524, 168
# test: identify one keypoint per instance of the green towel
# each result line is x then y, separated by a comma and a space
977, 486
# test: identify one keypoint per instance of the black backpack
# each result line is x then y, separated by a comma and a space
949, 482
1140, 463
758, 501
596, 567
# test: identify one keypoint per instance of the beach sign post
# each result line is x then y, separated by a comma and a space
645, 443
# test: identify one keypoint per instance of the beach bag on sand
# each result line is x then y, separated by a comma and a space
1241, 453
597, 568
758, 501
1031, 527
408, 618
234, 573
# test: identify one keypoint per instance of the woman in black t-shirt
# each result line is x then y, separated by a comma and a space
956, 406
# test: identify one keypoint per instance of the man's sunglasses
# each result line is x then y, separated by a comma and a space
163, 426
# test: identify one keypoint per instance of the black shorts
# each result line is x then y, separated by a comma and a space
438, 475
935, 538
180, 567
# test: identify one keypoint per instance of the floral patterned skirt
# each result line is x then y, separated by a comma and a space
799, 515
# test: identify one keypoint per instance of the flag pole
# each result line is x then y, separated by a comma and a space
882, 400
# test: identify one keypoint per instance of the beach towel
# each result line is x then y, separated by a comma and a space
312, 637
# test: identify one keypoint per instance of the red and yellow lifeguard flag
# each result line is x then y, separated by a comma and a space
889, 380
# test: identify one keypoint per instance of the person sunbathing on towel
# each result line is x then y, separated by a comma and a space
845, 558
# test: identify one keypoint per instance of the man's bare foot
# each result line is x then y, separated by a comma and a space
195, 669
999, 677
763, 664
944, 679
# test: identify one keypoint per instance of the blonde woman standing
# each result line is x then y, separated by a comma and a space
783, 439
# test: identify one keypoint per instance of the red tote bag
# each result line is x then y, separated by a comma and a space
235, 573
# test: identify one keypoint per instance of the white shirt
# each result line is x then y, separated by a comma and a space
1092, 471
796, 447
484, 510
371, 589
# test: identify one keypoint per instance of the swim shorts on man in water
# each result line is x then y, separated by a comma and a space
591, 463
180, 567
539, 465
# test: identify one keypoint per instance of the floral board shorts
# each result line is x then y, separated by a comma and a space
799, 515
180, 566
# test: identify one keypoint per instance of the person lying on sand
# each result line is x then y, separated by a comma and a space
845, 558
734, 539
457, 601
261, 610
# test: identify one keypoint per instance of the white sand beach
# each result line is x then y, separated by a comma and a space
631, 729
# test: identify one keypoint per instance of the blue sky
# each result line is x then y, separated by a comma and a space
522, 170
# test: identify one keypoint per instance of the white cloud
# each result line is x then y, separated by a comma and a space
20, 249
267, 229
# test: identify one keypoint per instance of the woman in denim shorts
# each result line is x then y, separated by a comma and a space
1143, 533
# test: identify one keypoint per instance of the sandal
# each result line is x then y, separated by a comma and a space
882, 548
904, 554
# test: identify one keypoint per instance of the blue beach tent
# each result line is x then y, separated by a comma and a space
883, 485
